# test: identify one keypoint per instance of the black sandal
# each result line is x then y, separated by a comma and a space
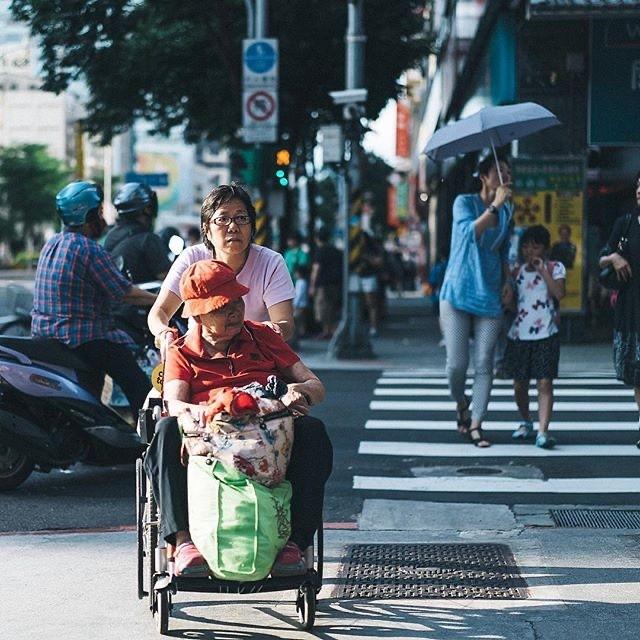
480, 441
463, 419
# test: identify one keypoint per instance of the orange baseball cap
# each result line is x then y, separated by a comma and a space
207, 285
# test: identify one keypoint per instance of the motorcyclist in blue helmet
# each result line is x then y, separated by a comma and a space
77, 282
140, 253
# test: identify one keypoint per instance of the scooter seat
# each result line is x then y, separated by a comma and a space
46, 350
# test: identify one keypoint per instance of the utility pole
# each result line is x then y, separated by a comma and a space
351, 339
261, 25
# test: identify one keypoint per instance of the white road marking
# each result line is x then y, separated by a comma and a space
573, 382
449, 405
498, 484
497, 425
523, 450
621, 393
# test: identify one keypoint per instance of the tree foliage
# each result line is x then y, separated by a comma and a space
179, 63
29, 181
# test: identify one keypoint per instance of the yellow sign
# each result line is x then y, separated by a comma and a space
551, 193
157, 377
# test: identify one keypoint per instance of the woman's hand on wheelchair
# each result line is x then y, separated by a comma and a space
296, 400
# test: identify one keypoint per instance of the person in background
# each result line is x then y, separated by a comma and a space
193, 236
135, 248
564, 250
533, 344
436, 278
477, 283
626, 322
368, 268
76, 284
301, 300
295, 255
325, 284
228, 221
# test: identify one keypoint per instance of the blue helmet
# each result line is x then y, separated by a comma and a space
77, 200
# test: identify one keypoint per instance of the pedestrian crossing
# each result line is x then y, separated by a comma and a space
410, 444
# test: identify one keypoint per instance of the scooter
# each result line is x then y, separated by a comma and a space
50, 417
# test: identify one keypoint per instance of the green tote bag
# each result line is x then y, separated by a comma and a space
238, 525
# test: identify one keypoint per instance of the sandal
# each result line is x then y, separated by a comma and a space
463, 419
479, 441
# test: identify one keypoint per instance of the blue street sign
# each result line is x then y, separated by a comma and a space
260, 57
151, 179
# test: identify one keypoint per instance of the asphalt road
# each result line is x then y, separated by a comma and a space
94, 498
85, 497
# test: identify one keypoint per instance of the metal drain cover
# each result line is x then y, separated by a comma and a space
596, 518
382, 571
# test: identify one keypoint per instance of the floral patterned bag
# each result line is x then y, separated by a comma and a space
256, 442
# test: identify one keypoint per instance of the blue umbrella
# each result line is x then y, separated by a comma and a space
490, 127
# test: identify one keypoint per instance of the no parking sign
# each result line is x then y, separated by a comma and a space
260, 95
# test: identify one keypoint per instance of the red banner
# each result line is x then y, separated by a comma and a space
403, 125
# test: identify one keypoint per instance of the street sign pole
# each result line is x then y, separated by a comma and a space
351, 339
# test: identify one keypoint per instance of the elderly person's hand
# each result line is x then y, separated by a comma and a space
297, 399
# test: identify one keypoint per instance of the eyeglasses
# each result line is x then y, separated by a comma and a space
224, 221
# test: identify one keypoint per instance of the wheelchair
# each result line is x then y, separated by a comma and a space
155, 571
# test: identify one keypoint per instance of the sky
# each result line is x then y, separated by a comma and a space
381, 140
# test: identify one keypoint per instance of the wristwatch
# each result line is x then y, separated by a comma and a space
493, 209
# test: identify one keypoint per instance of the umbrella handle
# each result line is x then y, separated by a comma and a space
495, 157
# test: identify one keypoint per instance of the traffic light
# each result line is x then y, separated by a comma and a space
282, 162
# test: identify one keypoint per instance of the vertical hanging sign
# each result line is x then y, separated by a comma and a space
260, 90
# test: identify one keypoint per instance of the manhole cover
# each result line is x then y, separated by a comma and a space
383, 571
478, 471
596, 518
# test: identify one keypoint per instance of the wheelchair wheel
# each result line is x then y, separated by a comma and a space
306, 606
140, 503
163, 605
152, 542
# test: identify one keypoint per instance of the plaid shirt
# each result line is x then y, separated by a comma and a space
76, 283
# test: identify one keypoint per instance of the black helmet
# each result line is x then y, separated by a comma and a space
135, 198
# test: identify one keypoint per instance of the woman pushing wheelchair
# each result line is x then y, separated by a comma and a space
222, 350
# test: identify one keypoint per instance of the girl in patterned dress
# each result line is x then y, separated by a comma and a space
533, 344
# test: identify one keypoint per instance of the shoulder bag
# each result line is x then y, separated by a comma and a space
607, 276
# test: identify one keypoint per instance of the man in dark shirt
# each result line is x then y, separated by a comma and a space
564, 250
326, 284
138, 252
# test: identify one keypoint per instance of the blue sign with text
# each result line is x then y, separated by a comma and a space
260, 57
150, 179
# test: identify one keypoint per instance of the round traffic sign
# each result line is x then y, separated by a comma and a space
260, 105
260, 57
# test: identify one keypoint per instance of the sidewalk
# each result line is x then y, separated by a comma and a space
581, 584
409, 340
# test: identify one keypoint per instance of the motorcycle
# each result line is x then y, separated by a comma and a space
51, 415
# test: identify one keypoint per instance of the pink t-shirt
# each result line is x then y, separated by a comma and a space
264, 272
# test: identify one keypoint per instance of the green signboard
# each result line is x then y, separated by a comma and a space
614, 106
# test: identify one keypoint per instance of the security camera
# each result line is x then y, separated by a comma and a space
349, 96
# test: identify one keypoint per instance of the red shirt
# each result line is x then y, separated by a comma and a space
253, 355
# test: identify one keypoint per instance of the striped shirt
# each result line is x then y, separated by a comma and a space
76, 284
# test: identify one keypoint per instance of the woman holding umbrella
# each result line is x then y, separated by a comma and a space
476, 286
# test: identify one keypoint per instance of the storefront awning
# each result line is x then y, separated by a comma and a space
582, 8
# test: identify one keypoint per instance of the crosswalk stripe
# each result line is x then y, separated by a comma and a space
495, 393
599, 374
498, 484
497, 425
559, 382
440, 450
429, 405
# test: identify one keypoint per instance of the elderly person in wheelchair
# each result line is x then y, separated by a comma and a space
224, 350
